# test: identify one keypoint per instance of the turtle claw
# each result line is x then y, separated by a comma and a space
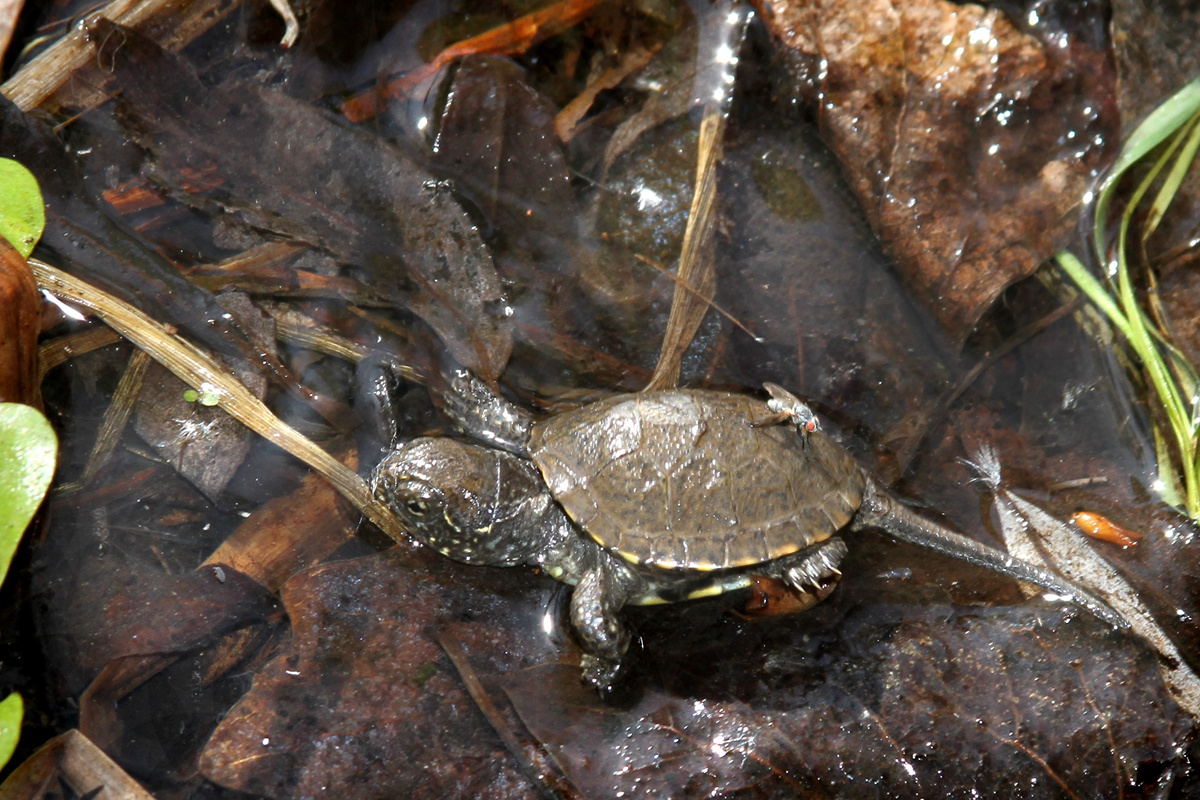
600, 672
816, 565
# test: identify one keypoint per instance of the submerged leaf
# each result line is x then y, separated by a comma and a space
1033, 535
937, 113
204, 443
352, 707
893, 701
91, 241
374, 209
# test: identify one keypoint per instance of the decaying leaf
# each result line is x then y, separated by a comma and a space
365, 703
204, 443
20, 323
375, 210
939, 114
87, 239
71, 761
496, 142
1033, 535
906, 703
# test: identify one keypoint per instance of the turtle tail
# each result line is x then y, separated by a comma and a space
881, 510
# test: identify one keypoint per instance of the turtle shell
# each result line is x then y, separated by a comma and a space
685, 479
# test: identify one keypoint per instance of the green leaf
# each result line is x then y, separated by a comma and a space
28, 448
11, 712
22, 212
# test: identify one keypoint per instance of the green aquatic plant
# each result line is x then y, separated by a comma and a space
22, 213
1164, 145
28, 446
28, 449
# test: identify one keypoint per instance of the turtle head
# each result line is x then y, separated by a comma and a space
471, 503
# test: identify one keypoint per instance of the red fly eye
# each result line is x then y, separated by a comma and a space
810, 426
1100, 527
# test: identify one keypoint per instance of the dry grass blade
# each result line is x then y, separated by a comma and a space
314, 337
10, 10
696, 272
80, 765
717, 60
679, 284
58, 63
203, 373
59, 351
116, 417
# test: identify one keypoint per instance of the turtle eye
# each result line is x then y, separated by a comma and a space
412, 498
418, 507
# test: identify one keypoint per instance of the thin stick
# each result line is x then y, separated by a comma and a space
714, 305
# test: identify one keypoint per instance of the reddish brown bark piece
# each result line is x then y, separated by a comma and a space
968, 142
290, 533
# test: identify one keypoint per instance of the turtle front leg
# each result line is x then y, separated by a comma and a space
595, 609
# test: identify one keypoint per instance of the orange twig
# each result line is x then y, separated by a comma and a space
514, 37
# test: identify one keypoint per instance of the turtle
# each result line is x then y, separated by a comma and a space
655, 497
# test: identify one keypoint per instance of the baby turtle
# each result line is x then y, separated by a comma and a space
655, 497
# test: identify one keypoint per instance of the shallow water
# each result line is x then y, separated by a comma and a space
380, 670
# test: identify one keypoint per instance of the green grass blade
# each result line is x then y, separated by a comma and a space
1162, 123
1094, 290
1167, 486
1179, 169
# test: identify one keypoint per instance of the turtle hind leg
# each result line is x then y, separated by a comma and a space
813, 566
595, 609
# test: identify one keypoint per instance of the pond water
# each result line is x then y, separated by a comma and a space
338, 220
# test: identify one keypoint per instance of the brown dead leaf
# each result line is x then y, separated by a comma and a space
567, 120
374, 209
204, 443
891, 702
365, 703
968, 142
